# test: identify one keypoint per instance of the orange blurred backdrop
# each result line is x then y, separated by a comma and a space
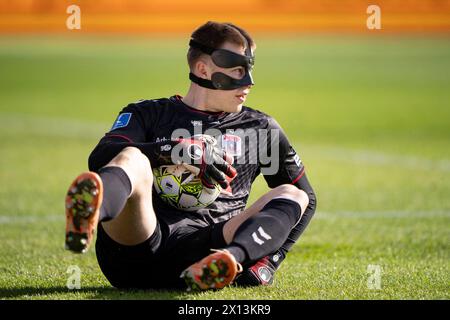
180, 16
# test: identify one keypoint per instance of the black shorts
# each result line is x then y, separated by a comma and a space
157, 262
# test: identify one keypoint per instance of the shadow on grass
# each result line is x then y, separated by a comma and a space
106, 293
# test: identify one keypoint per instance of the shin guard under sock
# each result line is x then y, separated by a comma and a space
116, 190
267, 230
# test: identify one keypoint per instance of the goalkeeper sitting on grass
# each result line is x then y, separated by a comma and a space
143, 242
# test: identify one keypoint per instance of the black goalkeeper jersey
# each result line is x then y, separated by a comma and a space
157, 120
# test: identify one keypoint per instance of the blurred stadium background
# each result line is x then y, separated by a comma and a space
367, 110
177, 16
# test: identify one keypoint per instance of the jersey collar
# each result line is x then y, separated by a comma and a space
177, 98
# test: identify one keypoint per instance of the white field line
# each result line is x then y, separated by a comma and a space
9, 219
50, 126
322, 215
367, 156
64, 127
400, 214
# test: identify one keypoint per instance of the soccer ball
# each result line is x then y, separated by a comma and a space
182, 189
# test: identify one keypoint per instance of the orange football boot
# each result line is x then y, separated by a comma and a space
215, 271
83, 201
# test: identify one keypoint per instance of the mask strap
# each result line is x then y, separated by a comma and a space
201, 82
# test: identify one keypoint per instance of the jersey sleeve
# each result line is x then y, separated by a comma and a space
291, 171
286, 166
130, 128
130, 124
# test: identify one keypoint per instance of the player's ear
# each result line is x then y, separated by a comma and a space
202, 69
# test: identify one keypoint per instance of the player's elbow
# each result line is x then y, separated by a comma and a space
93, 163
98, 158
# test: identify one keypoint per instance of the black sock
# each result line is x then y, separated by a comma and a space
238, 253
279, 255
267, 230
116, 190
276, 257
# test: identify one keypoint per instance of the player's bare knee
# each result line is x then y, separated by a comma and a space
126, 157
293, 193
136, 165
141, 166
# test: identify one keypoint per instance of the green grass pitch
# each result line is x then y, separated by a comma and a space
370, 118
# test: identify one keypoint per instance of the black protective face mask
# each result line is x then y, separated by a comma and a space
225, 59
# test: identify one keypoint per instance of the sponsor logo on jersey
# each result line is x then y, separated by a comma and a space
163, 139
122, 121
232, 145
196, 123
166, 147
